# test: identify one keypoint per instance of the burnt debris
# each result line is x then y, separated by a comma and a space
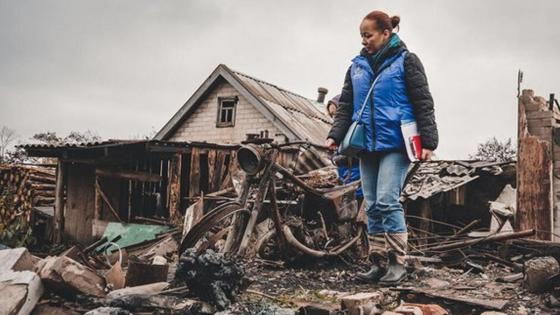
213, 277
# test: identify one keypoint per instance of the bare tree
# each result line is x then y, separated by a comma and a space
7, 137
17, 156
149, 135
494, 150
74, 137
48, 137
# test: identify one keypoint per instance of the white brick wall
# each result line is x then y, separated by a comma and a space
201, 125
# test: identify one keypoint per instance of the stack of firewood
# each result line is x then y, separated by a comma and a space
23, 187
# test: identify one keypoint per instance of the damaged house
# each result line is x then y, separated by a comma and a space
230, 107
194, 153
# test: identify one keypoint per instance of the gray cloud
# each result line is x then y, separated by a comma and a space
123, 67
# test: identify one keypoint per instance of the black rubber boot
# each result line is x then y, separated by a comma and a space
395, 272
373, 274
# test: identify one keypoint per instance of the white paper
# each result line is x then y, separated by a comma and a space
409, 130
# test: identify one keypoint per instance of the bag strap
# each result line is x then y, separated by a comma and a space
367, 98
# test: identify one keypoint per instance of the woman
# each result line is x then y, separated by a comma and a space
400, 94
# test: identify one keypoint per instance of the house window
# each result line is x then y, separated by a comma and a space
226, 111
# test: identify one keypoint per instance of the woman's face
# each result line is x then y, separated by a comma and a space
372, 38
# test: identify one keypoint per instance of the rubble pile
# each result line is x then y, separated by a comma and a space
79, 280
239, 250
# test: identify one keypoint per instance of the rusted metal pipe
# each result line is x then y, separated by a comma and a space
296, 180
257, 206
292, 240
275, 215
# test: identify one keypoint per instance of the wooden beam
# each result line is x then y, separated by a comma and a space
535, 162
130, 175
212, 174
193, 215
59, 201
194, 180
175, 189
80, 204
97, 206
231, 169
220, 169
534, 187
99, 191
425, 225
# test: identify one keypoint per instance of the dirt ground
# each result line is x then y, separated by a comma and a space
273, 288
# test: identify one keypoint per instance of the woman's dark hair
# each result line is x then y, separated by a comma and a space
383, 20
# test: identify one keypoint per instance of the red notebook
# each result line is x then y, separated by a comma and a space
412, 140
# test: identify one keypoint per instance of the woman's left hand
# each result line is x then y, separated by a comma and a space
427, 154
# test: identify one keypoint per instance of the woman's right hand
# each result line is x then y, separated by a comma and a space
331, 144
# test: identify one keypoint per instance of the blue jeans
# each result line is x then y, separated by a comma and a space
383, 174
354, 176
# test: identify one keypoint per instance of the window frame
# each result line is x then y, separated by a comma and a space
221, 100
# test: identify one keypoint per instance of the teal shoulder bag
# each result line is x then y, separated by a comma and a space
354, 141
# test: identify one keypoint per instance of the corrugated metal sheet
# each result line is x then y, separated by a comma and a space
300, 113
123, 143
70, 145
434, 177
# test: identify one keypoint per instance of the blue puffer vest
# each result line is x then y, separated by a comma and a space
390, 103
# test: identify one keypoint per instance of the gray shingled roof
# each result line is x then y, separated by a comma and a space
434, 177
298, 117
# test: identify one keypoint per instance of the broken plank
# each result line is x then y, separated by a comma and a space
146, 289
220, 169
59, 202
534, 197
103, 196
171, 304
130, 175
488, 303
193, 215
21, 291
211, 170
175, 188
194, 180
491, 238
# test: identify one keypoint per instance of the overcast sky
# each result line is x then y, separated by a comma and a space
123, 68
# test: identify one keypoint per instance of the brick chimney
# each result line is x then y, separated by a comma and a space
322, 92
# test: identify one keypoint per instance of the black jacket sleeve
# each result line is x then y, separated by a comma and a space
421, 100
344, 111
